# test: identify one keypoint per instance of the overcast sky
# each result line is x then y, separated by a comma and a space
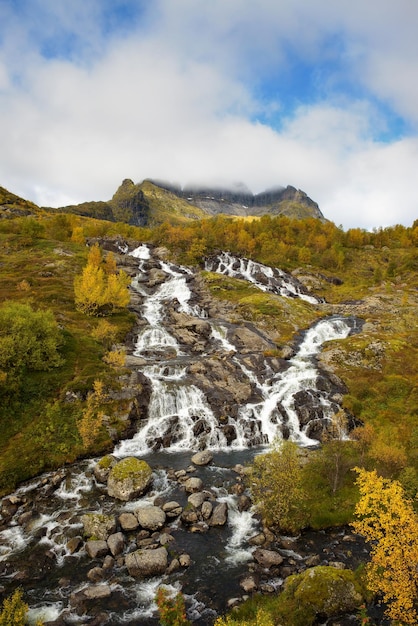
311, 93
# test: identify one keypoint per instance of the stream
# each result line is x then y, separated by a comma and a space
187, 411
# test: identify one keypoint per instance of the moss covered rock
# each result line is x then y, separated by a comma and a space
98, 525
129, 478
324, 591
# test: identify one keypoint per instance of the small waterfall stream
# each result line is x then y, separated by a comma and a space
181, 420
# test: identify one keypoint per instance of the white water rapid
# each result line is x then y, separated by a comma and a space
180, 416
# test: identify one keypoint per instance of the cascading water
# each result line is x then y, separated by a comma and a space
264, 277
181, 419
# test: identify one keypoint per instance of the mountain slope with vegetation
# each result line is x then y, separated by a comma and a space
63, 377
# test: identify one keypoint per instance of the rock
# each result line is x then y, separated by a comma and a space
150, 517
199, 527
185, 560
172, 509
96, 574
312, 561
202, 458
128, 521
173, 567
108, 562
96, 548
74, 544
193, 484
267, 558
98, 525
206, 510
129, 478
219, 515
196, 499
257, 540
189, 516
336, 564
248, 341
165, 539
143, 563
325, 591
81, 600
116, 543
102, 468
248, 584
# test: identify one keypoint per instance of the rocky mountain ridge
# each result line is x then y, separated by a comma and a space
150, 203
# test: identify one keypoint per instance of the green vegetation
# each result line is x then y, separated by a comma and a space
275, 480
52, 347
131, 467
320, 590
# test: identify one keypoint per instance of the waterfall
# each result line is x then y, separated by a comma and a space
265, 278
186, 412
180, 415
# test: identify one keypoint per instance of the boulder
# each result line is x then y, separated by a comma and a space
324, 591
128, 521
96, 548
150, 517
116, 543
102, 468
196, 499
98, 525
193, 484
172, 509
129, 478
144, 563
219, 515
202, 458
267, 558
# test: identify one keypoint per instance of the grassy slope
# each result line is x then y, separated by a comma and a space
38, 422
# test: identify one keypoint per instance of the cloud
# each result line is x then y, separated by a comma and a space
95, 92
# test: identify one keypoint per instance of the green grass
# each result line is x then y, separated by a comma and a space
38, 417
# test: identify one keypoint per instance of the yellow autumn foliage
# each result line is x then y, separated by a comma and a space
92, 418
99, 290
388, 521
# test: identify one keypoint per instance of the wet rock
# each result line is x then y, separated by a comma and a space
96, 548
257, 540
193, 484
28, 519
196, 499
74, 544
165, 539
267, 558
96, 574
219, 515
150, 517
108, 562
199, 527
185, 560
144, 563
248, 341
244, 503
129, 478
189, 516
98, 525
202, 458
128, 521
87, 597
172, 509
206, 510
116, 543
